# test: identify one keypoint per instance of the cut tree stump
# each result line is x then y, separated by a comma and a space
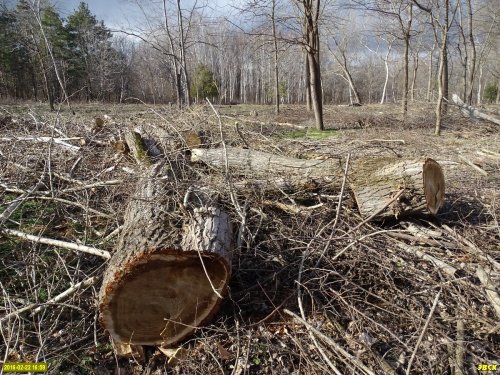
373, 181
171, 265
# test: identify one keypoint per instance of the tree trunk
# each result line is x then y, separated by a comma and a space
406, 32
480, 84
171, 264
185, 78
316, 92
446, 80
308, 83
414, 79
374, 181
429, 81
276, 71
443, 70
404, 104
386, 63
472, 62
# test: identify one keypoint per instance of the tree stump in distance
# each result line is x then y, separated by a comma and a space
171, 264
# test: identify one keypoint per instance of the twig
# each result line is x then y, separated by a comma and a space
490, 289
493, 153
90, 186
433, 308
353, 360
63, 244
470, 247
471, 164
315, 342
459, 350
237, 126
59, 141
76, 204
337, 214
4, 216
36, 307
387, 140
443, 266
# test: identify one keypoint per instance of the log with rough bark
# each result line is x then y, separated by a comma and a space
473, 112
373, 181
171, 265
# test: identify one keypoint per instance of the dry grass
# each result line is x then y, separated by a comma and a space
371, 293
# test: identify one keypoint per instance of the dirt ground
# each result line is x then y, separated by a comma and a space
306, 296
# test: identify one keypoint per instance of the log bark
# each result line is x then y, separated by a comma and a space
171, 265
373, 181
376, 181
259, 163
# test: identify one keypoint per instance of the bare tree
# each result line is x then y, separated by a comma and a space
35, 8
400, 11
341, 57
310, 11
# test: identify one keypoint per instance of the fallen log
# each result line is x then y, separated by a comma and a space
373, 181
171, 264
473, 112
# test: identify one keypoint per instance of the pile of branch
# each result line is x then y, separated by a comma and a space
300, 246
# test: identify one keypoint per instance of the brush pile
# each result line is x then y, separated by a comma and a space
311, 283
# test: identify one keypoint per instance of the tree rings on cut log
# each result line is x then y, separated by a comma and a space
160, 298
433, 185
375, 182
170, 267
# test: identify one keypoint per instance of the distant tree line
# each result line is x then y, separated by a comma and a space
371, 51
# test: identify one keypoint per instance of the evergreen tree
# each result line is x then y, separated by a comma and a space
203, 83
92, 41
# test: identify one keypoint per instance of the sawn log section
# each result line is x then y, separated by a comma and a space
171, 264
373, 181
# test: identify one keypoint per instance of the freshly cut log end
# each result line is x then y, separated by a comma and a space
162, 297
375, 182
433, 179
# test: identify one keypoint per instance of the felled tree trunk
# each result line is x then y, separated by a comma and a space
373, 181
171, 264
473, 112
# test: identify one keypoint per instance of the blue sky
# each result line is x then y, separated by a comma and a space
114, 13
118, 14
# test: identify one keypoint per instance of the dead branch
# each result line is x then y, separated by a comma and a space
474, 166
37, 307
57, 243
327, 340
287, 124
431, 313
58, 141
490, 289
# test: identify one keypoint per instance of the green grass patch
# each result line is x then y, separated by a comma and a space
313, 134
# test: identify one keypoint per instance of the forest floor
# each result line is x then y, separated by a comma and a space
415, 296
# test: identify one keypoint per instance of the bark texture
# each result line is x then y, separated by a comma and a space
171, 264
373, 181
